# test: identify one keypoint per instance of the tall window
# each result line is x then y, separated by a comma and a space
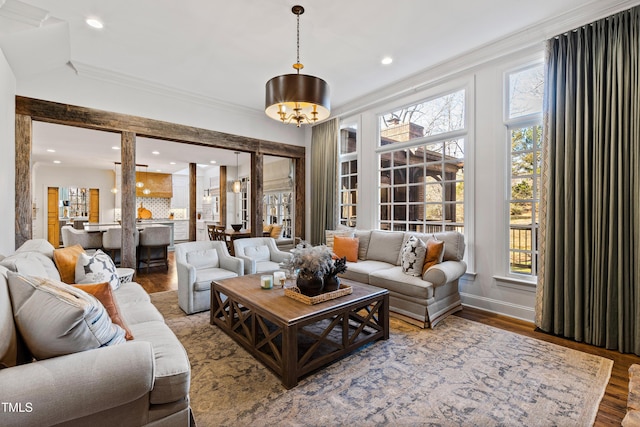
421, 166
348, 197
524, 124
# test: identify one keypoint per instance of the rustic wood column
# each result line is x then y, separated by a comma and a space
257, 190
223, 196
299, 190
128, 211
193, 170
23, 201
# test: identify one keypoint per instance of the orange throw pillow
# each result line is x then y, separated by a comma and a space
65, 260
276, 230
346, 247
435, 251
102, 291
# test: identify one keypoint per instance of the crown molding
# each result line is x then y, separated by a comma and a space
109, 76
22, 12
530, 38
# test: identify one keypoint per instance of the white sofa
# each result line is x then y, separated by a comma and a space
423, 301
144, 381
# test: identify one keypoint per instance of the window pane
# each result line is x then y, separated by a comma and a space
416, 174
520, 213
399, 212
436, 116
399, 194
522, 188
433, 212
433, 193
520, 262
399, 176
354, 166
525, 91
348, 139
522, 139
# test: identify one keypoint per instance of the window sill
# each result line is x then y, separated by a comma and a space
516, 283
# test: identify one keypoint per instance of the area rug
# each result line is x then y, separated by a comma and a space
461, 373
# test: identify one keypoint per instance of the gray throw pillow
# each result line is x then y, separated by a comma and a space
55, 319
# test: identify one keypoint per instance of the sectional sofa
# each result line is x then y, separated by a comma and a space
143, 381
423, 300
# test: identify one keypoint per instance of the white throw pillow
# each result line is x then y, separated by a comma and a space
413, 253
97, 268
207, 258
56, 319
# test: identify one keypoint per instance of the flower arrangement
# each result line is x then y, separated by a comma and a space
311, 260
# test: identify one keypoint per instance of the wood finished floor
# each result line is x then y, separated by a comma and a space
614, 403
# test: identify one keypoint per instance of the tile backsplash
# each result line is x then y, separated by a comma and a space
160, 208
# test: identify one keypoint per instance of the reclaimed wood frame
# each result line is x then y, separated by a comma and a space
129, 127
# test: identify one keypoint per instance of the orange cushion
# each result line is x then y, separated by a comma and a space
65, 260
266, 228
102, 291
435, 251
276, 230
346, 247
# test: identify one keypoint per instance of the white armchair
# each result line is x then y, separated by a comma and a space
197, 265
260, 254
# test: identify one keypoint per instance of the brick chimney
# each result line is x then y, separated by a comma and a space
401, 132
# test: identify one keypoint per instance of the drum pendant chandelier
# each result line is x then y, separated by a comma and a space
297, 98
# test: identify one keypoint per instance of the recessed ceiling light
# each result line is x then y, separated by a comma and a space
172, 163
94, 23
155, 152
387, 60
213, 162
57, 162
115, 147
51, 150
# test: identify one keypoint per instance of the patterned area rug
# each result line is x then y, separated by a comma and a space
462, 373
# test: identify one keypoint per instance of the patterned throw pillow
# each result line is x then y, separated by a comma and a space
413, 254
55, 319
98, 268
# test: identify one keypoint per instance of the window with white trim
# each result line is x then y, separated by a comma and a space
421, 165
348, 175
524, 126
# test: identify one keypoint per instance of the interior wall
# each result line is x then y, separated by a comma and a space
7, 160
45, 176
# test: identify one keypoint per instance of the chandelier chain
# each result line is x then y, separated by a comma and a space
298, 41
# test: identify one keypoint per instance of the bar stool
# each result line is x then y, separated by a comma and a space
112, 243
153, 248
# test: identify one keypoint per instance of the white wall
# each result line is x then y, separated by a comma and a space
7, 160
54, 176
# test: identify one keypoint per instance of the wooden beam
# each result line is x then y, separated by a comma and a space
89, 118
257, 190
299, 191
192, 200
23, 199
128, 211
223, 196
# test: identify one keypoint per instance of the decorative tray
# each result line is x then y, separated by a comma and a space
295, 294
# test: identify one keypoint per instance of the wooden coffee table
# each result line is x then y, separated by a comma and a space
293, 338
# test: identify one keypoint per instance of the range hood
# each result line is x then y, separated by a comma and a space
160, 184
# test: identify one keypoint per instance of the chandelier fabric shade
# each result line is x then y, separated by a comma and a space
297, 98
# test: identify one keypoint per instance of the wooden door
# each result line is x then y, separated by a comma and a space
53, 223
94, 205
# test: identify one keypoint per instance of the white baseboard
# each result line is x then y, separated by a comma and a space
499, 307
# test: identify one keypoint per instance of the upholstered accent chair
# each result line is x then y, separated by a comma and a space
260, 254
198, 264
72, 236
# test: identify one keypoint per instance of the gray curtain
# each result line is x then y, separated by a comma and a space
589, 275
324, 186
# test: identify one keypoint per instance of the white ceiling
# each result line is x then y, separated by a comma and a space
227, 50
